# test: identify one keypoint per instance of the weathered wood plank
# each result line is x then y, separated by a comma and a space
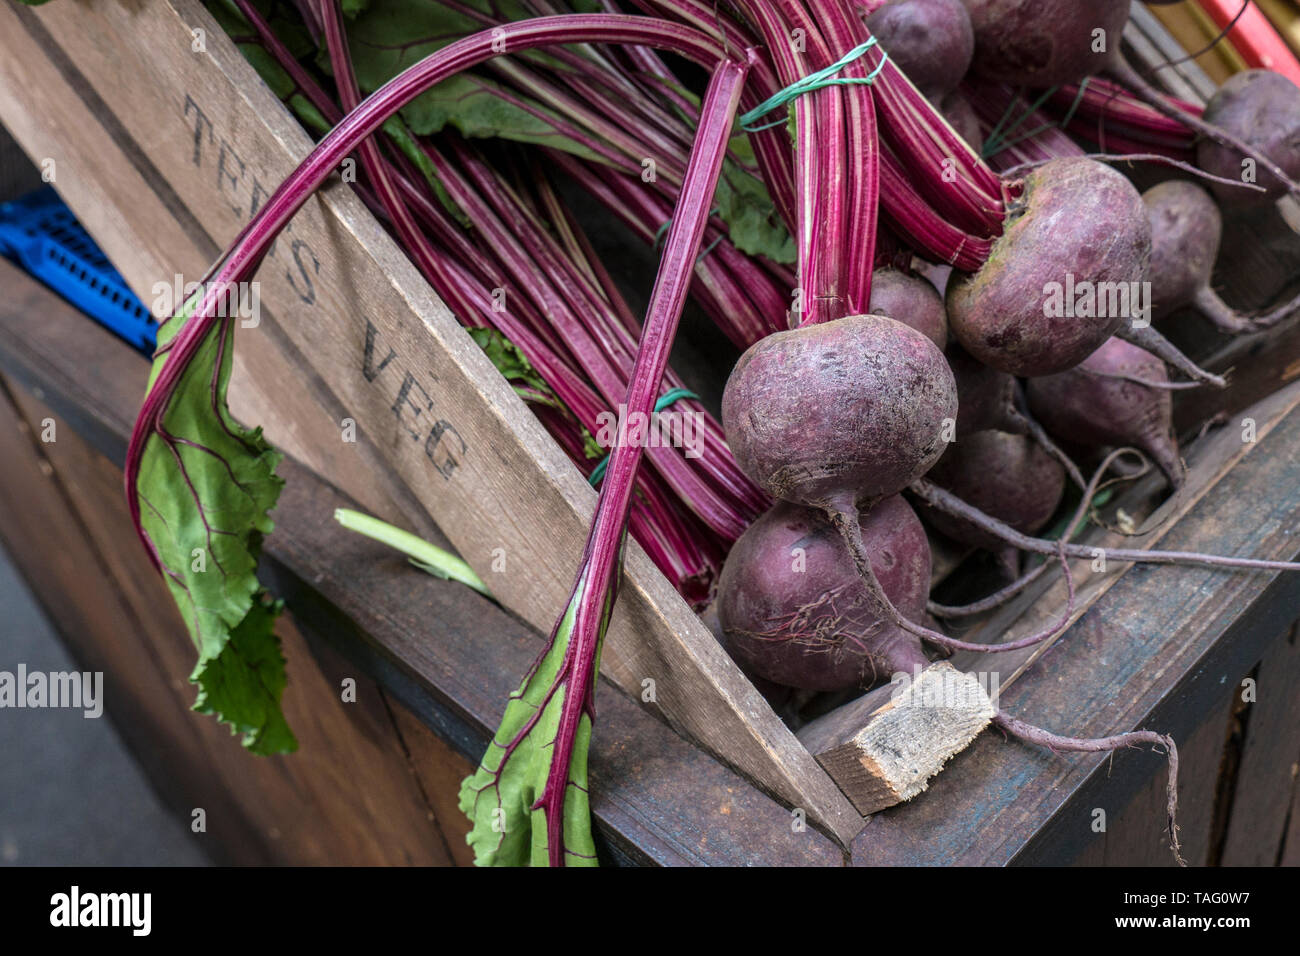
1265, 786
345, 796
1290, 855
453, 657
439, 430
439, 770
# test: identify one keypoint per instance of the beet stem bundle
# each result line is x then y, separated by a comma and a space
584, 621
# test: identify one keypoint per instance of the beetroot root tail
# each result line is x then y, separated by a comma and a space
1001, 596
1145, 337
845, 520
1044, 738
949, 503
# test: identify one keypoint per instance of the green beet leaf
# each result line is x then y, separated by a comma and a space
752, 221
205, 488
243, 685
390, 35
498, 798
514, 366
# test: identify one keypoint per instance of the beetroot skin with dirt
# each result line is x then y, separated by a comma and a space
793, 608
841, 414
1082, 222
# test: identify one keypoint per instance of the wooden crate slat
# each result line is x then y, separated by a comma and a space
1265, 785
335, 254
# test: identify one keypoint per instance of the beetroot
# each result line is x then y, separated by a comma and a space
1007, 476
1043, 43
1185, 231
1103, 402
1062, 277
794, 611
929, 40
1262, 109
841, 414
986, 398
911, 300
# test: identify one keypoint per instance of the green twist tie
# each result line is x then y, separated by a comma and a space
814, 81
668, 398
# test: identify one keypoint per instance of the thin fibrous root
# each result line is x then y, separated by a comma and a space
1001, 596
1044, 738
950, 504
1188, 168
994, 600
1139, 380
1145, 337
845, 520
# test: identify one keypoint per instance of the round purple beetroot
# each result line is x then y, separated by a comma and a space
841, 413
931, 41
911, 300
1262, 109
961, 116
1185, 231
794, 611
986, 398
1083, 225
1042, 43
1007, 476
1100, 404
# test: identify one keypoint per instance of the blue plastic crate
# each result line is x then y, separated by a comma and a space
40, 233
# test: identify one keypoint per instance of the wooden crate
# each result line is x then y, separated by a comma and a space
163, 140
345, 797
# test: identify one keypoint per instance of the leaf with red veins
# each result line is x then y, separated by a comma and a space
520, 798
205, 485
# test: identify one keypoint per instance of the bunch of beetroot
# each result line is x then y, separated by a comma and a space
979, 380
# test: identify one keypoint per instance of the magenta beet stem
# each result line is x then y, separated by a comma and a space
243, 257
597, 577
